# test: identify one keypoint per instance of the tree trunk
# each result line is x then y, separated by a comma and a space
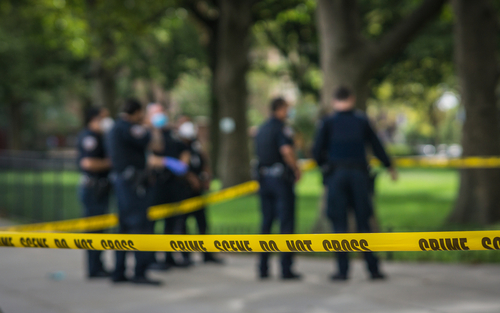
477, 66
104, 88
214, 130
16, 122
230, 79
344, 54
349, 59
214, 105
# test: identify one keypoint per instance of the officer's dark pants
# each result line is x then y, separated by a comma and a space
132, 211
277, 198
169, 191
92, 206
201, 221
342, 184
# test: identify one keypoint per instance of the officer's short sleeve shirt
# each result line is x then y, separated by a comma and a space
90, 145
127, 144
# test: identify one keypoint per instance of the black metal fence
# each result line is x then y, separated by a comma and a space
42, 187
38, 186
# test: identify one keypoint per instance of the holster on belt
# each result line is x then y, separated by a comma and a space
278, 170
101, 186
140, 179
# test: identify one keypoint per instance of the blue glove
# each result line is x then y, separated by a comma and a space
177, 167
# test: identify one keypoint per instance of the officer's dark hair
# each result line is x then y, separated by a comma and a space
131, 106
90, 114
277, 103
342, 93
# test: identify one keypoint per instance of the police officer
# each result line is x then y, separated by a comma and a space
94, 187
343, 138
277, 171
198, 181
168, 185
128, 142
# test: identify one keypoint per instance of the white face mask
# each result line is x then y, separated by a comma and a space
106, 124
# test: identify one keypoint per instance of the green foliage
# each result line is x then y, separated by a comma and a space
192, 94
34, 59
51, 50
167, 50
293, 33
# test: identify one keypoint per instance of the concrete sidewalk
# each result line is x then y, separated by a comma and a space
26, 286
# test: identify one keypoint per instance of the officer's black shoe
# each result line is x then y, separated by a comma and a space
291, 276
119, 279
184, 263
263, 275
338, 277
143, 280
160, 266
209, 258
377, 276
100, 274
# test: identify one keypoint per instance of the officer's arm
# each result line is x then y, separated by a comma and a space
185, 156
378, 148
95, 164
157, 141
285, 144
289, 157
379, 151
320, 142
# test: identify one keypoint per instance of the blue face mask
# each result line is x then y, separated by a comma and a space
159, 120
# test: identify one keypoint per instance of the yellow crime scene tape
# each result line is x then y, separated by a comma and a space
429, 162
440, 162
428, 241
107, 221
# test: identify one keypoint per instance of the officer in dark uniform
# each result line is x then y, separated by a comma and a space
343, 137
197, 182
277, 171
94, 188
128, 142
168, 185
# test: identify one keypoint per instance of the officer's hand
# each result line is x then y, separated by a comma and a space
193, 181
394, 173
298, 174
155, 161
206, 185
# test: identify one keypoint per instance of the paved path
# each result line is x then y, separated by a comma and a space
26, 286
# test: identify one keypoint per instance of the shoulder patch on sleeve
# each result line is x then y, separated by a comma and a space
89, 143
137, 131
288, 131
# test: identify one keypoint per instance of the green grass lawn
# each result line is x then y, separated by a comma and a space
420, 201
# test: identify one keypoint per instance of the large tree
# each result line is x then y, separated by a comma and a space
33, 59
477, 66
348, 57
229, 26
113, 27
